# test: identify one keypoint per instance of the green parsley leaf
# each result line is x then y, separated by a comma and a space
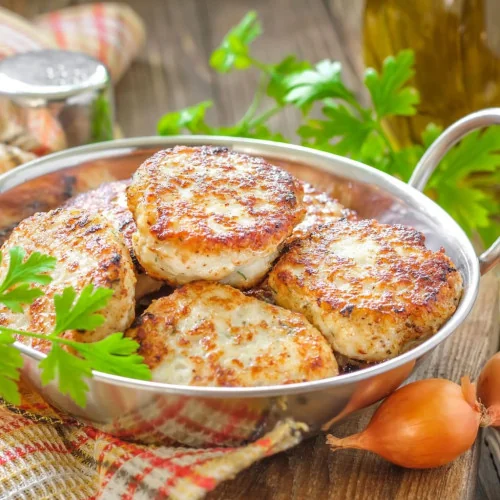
430, 134
350, 130
191, 119
80, 314
461, 182
479, 151
388, 92
22, 294
234, 51
402, 163
15, 289
11, 362
31, 271
277, 87
324, 81
470, 211
69, 371
264, 133
374, 152
115, 354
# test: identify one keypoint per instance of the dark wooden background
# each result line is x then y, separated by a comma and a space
172, 72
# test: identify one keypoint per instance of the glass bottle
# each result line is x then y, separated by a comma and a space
457, 55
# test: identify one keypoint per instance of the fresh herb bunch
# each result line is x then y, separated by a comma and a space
464, 184
114, 354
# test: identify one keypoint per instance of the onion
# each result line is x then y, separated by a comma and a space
488, 389
374, 389
425, 424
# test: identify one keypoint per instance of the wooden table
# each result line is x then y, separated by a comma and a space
172, 72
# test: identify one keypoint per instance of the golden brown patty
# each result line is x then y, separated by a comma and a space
210, 213
110, 201
320, 209
210, 334
88, 251
370, 288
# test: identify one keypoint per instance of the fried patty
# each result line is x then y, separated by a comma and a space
110, 201
88, 251
209, 334
320, 209
213, 214
372, 289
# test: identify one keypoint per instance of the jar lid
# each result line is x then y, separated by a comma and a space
51, 75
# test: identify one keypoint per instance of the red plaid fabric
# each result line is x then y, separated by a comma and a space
18, 35
191, 422
111, 32
45, 454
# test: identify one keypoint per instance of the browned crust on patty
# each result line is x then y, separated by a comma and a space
321, 208
405, 293
213, 172
110, 201
208, 325
88, 251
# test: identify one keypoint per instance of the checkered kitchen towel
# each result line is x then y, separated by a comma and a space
47, 455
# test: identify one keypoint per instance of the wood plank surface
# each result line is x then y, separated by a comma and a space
489, 465
172, 72
312, 471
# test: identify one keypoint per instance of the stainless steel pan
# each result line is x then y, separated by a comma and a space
150, 411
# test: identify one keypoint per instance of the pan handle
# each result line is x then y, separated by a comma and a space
440, 147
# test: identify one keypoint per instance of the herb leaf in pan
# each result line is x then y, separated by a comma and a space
465, 183
69, 362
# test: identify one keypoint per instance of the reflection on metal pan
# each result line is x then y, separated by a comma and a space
153, 412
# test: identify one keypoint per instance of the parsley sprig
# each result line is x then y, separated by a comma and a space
465, 184
15, 289
69, 362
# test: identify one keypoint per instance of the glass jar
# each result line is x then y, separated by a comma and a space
457, 55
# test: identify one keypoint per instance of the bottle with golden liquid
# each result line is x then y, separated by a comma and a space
457, 55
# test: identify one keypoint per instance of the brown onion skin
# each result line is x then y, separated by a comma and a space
488, 384
374, 389
423, 425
